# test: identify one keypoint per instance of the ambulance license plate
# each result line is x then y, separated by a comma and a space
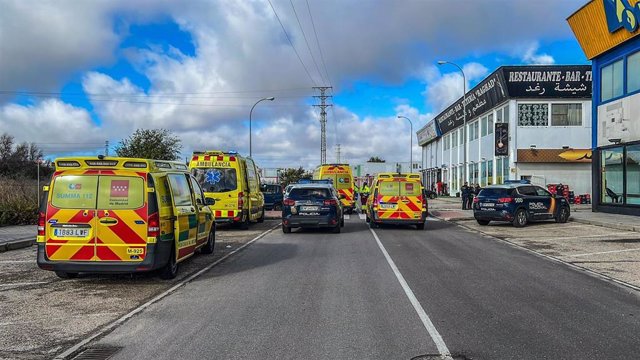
387, 206
309, 208
80, 233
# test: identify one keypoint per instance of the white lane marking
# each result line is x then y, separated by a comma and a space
25, 283
433, 332
604, 252
72, 350
347, 216
362, 216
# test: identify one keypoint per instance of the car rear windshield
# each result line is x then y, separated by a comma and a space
272, 189
97, 192
309, 193
496, 192
399, 188
216, 180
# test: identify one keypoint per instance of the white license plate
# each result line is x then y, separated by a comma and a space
71, 232
487, 205
387, 206
309, 208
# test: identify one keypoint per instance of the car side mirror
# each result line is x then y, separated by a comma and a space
198, 201
209, 201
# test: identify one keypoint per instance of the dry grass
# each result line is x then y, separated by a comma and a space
18, 202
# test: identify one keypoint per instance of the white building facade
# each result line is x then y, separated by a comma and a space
521, 122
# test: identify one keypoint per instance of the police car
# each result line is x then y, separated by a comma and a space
519, 203
312, 204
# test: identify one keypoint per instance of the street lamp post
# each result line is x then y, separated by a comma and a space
410, 142
250, 113
464, 118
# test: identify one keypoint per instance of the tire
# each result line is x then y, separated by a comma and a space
245, 224
483, 222
66, 275
336, 229
342, 222
261, 218
366, 219
170, 269
372, 224
210, 245
420, 226
563, 215
432, 196
521, 218
286, 229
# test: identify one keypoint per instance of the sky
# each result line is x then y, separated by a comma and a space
74, 74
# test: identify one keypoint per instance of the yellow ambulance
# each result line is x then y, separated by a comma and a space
397, 199
342, 178
233, 181
122, 215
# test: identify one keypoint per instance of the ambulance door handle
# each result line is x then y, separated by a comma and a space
173, 218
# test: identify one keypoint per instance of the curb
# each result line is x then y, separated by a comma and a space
17, 244
617, 226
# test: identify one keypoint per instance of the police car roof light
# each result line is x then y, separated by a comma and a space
309, 181
523, 181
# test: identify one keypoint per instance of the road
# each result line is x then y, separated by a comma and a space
316, 295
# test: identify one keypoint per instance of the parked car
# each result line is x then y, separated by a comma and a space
273, 196
312, 206
519, 204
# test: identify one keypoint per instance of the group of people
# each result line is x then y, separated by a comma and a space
468, 192
440, 188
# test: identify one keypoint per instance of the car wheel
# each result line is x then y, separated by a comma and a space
372, 224
563, 215
261, 218
336, 229
342, 222
432, 196
211, 241
66, 275
170, 270
366, 219
286, 229
420, 226
483, 222
520, 220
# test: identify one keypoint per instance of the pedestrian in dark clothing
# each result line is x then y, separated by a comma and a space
471, 195
464, 193
476, 190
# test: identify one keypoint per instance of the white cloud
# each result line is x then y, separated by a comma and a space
443, 89
531, 56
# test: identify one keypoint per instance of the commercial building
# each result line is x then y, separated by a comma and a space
521, 122
609, 33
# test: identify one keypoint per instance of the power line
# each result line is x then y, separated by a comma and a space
306, 41
290, 42
324, 65
168, 93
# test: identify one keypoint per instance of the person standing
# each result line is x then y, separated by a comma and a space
439, 187
464, 194
470, 196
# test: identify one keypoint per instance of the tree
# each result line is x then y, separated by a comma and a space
17, 161
291, 175
157, 144
375, 159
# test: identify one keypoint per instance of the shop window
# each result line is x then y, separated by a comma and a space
461, 136
473, 130
566, 115
490, 124
484, 126
506, 114
612, 81
499, 113
533, 114
633, 72
446, 142
499, 170
454, 141
461, 174
633, 175
612, 175
490, 172
505, 168
483, 171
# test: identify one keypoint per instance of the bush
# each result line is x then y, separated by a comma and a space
18, 202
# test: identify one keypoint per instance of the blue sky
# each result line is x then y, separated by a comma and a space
196, 68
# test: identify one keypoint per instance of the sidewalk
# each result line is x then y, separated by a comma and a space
16, 237
449, 209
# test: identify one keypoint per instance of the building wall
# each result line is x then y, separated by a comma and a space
576, 175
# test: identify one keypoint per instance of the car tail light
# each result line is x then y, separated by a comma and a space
330, 202
505, 200
476, 200
153, 225
289, 202
41, 221
240, 200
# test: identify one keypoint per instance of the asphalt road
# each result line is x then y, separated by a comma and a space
316, 295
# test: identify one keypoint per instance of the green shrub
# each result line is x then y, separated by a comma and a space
18, 202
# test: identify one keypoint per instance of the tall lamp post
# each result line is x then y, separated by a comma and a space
410, 142
250, 113
464, 109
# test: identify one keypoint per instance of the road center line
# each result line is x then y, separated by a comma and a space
74, 349
426, 321
605, 252
362, 216
347, 216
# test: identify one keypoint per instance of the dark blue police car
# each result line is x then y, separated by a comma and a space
519, 203
313, 204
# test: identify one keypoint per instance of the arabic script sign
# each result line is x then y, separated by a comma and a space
427, 133
620, 13
546, 81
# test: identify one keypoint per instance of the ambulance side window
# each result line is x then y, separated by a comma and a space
180, 190
197, 190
